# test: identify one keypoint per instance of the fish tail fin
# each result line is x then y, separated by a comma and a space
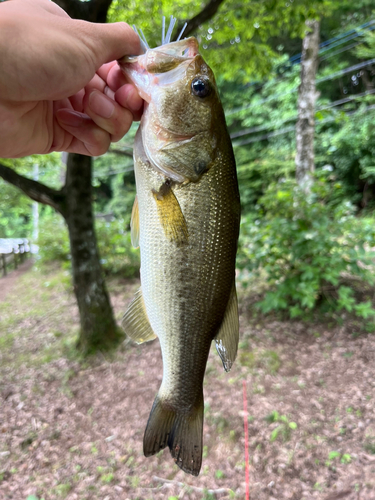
182, 432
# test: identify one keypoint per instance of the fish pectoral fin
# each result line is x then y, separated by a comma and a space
135, 321
134, 224
227, 337
181, 432
170, 215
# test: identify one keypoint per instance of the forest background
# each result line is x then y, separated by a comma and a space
301, 251
71, 427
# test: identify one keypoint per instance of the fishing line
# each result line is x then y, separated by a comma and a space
180, 35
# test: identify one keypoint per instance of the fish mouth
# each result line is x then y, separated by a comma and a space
165, 57
159, 66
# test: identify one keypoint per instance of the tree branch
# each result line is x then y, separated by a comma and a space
204, 15
94, 11
35, 190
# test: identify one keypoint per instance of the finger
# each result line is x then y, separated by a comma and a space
127, 96
108, 114
105, 69
76, 101
96, 83
47, 5
111, 41
88, 138
113, 75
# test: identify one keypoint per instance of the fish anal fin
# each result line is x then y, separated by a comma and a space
134, 224
227, 337
182, 432
135, 321
170, 215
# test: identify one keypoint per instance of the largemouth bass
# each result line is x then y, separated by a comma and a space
186, 221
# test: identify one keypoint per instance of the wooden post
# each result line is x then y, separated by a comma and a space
14, 259
4, 264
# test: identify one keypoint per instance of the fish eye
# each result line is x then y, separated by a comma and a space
200, 87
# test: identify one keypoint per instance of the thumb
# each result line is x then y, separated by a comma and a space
112, 41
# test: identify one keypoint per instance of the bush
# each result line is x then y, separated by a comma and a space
117, 254
53, 239
309, 248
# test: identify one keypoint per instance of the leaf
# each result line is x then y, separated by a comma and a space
275, 433
333, 454
364, 309
346, 458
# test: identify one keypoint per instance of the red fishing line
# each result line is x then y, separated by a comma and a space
246, 428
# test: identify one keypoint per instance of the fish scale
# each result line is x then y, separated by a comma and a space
187, 221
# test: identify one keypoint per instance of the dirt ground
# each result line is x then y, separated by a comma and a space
8, 281
73, 429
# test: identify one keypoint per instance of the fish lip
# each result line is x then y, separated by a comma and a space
172, 49
142, 70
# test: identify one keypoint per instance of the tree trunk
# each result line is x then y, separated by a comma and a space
98, 326
307, 96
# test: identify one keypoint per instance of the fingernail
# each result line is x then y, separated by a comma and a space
101, 105
71, 118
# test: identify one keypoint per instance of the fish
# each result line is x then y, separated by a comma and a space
185, 220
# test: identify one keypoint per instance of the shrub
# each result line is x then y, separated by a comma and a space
116, 252
53, 239
309, 248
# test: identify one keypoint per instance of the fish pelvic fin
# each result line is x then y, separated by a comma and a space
227, 337
134, 224
170, 214
181, 431
135, 321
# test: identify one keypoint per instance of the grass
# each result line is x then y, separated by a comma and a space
44, 300
267, 359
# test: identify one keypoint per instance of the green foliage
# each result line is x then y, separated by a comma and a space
236, 33
345, 458
15, 212
284, 429
348, 144
15, 207
117, 254
367, 51
219, 474
307, 246
53, 239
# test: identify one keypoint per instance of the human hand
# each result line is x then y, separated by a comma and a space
60, 86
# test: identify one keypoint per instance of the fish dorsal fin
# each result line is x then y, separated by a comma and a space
170, 214
135, 321
134, 224
227, 337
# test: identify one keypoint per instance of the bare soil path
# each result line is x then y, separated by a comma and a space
7, 282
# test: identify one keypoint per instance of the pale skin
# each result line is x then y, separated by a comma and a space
60, 86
